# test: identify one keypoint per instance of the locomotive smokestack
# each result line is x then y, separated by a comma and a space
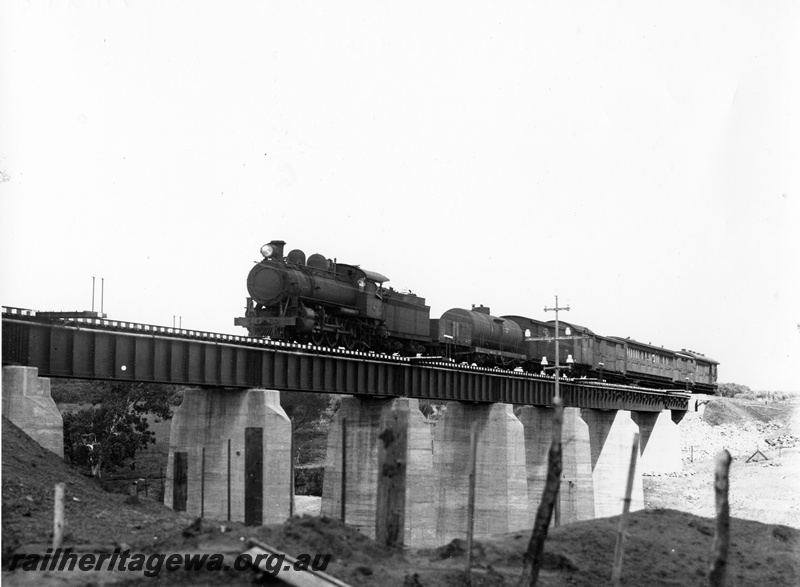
277, 247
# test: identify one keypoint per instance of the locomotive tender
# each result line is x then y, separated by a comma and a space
327, 303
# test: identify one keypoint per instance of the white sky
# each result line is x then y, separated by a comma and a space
639, 159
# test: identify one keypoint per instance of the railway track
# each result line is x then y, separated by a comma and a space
92, 321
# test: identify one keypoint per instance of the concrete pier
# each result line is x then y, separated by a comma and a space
28, 404
576, 493
577, 481
501, 487
391, 477
387, 467
537, 423
659, 442
230, 456
610, 438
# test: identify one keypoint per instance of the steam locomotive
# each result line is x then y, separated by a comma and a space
326, 303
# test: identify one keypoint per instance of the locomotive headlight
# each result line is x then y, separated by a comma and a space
267, 251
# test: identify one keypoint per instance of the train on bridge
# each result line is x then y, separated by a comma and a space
326, 303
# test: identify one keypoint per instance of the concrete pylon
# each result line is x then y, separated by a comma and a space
388, 475
537, 423
230, 456
610, 438
28, 404
659, 442
501, 490
577, 481
576, 492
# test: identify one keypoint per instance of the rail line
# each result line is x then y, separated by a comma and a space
151, 340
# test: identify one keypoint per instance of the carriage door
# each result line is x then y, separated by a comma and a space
253, 476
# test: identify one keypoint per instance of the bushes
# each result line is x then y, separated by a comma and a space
743, 392
304, 408
111, 427
732, 389
308, 480
103, 436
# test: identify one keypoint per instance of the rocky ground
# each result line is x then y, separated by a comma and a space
667, 544
764, 441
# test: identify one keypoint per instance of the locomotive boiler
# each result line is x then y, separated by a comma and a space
327, 303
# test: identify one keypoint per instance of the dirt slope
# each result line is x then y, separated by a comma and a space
665, 546
95, 518
765, 472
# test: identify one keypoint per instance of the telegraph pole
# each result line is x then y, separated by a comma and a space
551, 498
555, 338
556, 309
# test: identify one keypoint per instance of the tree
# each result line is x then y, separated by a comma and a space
304, 408
310, 414
732, 389
109, 432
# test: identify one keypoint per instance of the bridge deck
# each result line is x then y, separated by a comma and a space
88, 348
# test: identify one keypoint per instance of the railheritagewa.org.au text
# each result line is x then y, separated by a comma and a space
153, 564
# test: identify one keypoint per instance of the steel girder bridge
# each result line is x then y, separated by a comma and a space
83, 346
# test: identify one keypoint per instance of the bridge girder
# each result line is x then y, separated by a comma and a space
73, 350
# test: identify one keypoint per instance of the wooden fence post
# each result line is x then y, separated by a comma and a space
202, 481
619, 551
229, 479
532, 559
291, 469
391, 499
58, 516
473, 473
344, 468
716, 576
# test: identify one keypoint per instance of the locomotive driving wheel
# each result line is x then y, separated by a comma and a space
318, 337
329, 333
323, 334
348, 337
331, 339
333, 326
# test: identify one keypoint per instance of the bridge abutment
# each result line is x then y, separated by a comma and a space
28, 404
501, 486
386, 467
230, 456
